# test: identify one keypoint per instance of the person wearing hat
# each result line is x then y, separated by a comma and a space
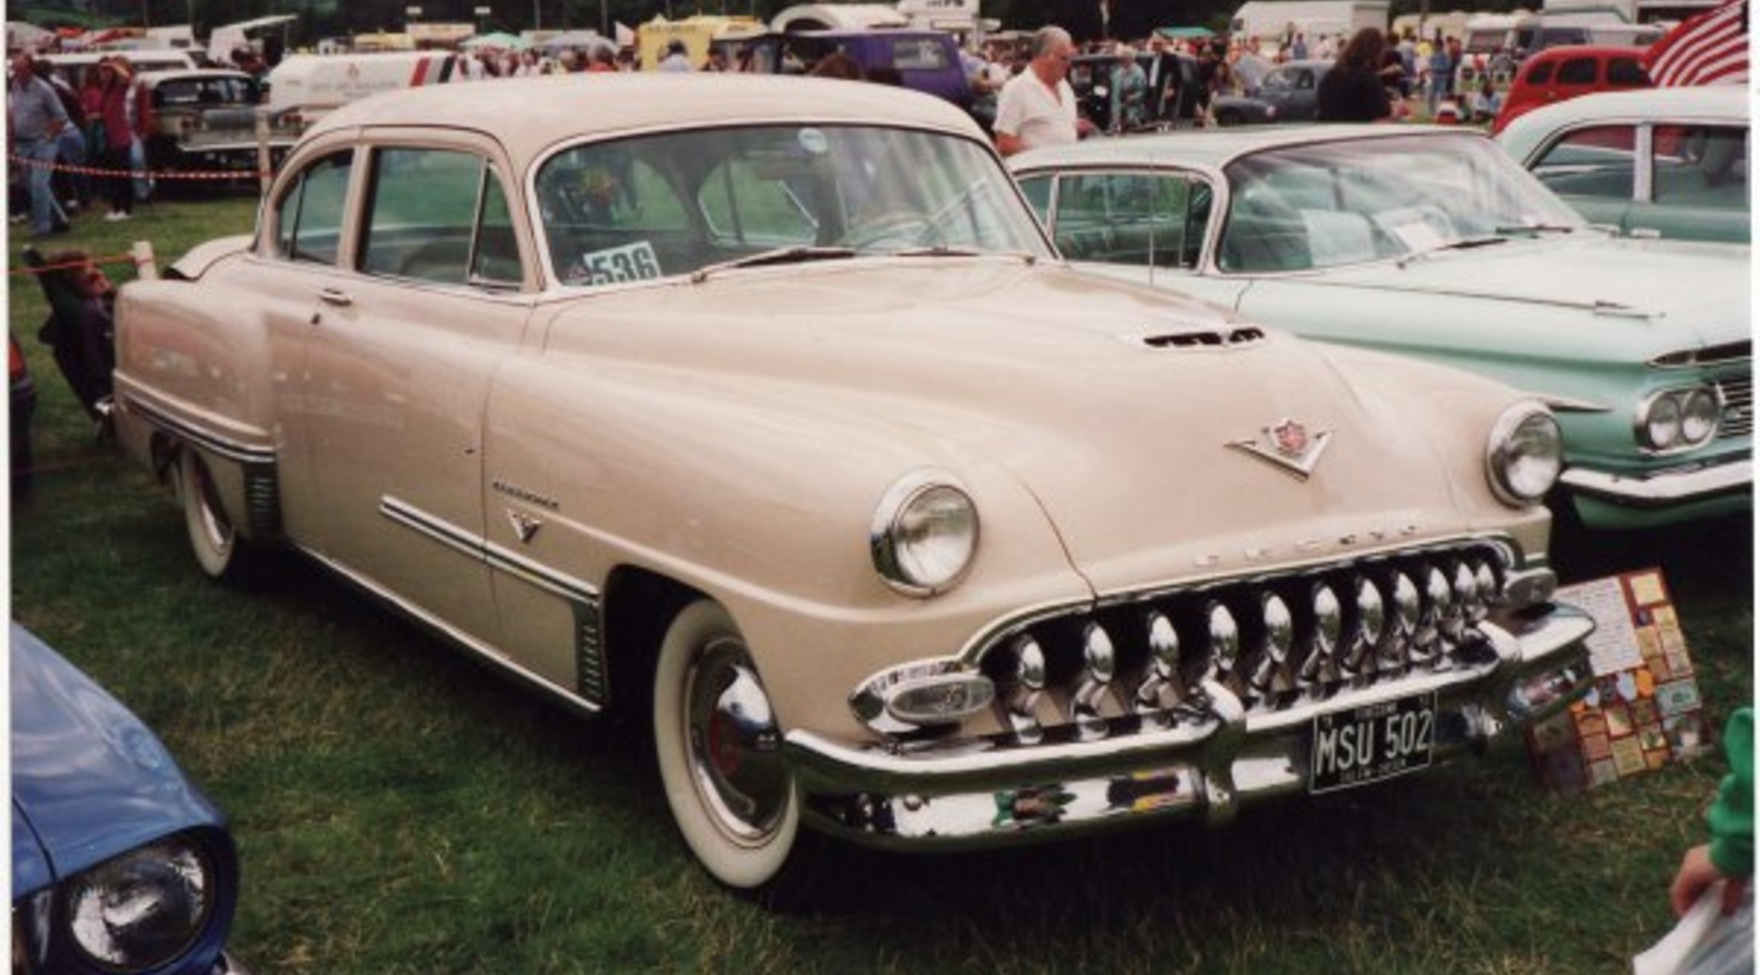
676, 59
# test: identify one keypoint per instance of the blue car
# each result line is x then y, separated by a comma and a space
119, 863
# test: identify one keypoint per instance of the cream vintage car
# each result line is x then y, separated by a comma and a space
763, 409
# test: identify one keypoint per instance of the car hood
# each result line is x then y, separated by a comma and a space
89, 780
1679, 294
1098, 399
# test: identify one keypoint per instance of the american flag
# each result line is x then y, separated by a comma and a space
1708, 49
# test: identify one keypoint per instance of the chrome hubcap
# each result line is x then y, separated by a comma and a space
735, 747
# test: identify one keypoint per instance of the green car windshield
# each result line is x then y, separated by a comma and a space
1340, 203
684, 203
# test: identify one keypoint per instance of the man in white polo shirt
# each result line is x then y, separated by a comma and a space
1037, 107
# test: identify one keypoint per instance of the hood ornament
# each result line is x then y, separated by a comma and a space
524, 525
1289, 445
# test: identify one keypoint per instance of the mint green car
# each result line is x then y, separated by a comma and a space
1656, 162
1431, 241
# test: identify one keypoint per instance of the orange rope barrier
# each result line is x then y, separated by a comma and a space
141, 173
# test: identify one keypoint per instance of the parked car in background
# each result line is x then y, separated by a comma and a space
205, 119
1559, 74
1288, 94
1171, 98
73, 65
1430, 241
1665, 162
760, 409
925, 60
120, 864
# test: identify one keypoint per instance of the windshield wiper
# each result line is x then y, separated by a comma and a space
1536, 229
942, 250
797, 254
1464, 244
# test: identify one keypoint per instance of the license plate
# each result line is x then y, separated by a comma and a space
1371, 743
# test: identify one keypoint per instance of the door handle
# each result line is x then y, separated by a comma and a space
333, 296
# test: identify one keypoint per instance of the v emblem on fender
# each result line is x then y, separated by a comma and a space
524, 525
1289, 445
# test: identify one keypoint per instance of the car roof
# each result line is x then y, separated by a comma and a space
1559, 52
1214, 148
528, 114
176, 74
1714, 103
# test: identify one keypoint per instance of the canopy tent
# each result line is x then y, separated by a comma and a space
577, 40
1185, 33
497, 39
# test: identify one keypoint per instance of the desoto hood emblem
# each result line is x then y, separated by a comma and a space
1289, 445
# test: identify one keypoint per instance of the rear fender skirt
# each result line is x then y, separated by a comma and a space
257, 464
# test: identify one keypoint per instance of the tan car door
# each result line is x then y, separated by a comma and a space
398, 363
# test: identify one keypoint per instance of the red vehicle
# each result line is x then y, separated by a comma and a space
1560, 73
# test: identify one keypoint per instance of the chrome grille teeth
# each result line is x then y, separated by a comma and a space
1161, 677
1100, 663
1142, 664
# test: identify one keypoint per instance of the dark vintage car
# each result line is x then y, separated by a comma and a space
1288, 94
120, 865
206, 119
1173, 87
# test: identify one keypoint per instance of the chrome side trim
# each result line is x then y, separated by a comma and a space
215, 443
582, 598
453, 633
1668, 487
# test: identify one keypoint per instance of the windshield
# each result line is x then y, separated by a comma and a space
679, 203
1348, 202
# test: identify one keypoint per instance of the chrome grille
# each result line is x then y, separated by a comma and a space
1271, 640
1737, 393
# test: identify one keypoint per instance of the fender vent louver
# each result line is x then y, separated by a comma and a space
1205, 340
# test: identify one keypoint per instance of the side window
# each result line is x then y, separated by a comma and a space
1132, 218
1037, 190
1304, 80
1577, 71
1627, 73
438, 215
919, 54
308, 217
1541, 73
1595, 162
1701, 166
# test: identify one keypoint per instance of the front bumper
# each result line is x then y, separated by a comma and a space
1732, 476
991, 792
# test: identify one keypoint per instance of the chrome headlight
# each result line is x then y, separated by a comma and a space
142, 910
1678, 419
1525, 454
924, 535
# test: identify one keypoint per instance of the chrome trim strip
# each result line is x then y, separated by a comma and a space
487, 552
1665, 488
583, 598
453, 633
213, 442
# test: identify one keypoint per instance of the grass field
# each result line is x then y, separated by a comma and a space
400, 810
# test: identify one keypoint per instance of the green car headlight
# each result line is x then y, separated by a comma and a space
142, 910
1678, 419
924, 535
1525, 454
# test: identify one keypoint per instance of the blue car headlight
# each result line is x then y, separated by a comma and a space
142, 910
